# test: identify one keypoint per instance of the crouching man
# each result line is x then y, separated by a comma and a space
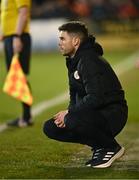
97, 111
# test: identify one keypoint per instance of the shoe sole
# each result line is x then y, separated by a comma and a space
108, 164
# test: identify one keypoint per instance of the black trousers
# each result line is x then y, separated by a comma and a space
95, 132
24, 58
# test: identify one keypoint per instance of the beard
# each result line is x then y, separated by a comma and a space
67, 53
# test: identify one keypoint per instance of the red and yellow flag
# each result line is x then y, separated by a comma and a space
16, 84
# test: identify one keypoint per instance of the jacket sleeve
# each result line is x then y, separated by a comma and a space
91, 78
72, 97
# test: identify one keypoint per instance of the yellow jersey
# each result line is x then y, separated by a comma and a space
9, 15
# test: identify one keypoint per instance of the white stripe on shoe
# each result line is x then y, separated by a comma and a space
116, 156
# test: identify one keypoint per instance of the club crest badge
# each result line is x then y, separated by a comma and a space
76, 75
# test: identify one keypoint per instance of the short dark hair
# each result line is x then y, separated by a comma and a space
76, 27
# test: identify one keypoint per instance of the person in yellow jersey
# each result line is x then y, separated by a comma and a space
15, 21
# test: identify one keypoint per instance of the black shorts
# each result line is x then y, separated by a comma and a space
25, 54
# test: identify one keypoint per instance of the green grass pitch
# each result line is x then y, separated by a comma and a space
27, 154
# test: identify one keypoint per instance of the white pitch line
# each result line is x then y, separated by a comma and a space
3, 127
42, 106
122, 67
127, 64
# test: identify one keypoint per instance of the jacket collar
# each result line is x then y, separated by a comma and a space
88, 44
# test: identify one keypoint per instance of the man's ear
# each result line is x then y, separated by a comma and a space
76, 41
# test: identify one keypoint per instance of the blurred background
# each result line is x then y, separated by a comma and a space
101, 10
103, 17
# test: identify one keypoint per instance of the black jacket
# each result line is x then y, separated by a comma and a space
92, 82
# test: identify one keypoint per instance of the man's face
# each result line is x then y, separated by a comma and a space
66, 43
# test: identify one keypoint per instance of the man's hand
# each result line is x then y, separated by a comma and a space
137, 64
59, 119
1, 37
17, 44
